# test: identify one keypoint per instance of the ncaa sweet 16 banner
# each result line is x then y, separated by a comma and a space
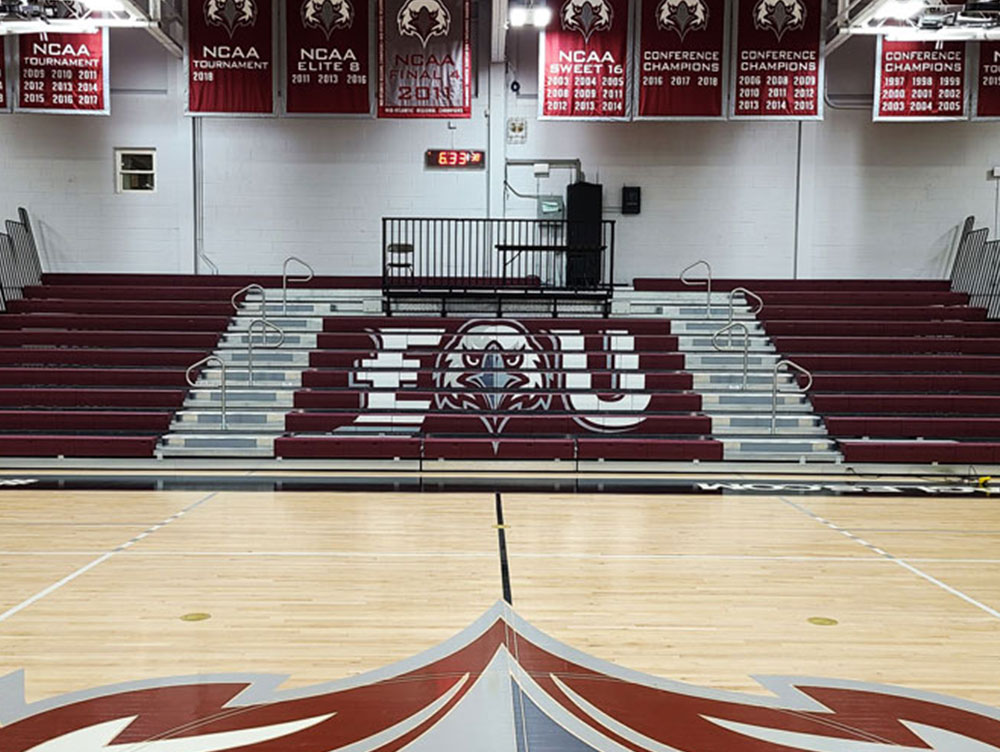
230, 57
63, 73
682, 59
327, 57
920, 81
778, 60
424, 59
584, 62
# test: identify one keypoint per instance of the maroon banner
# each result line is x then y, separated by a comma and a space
778, 60
583, 70
424, 59
63, 73
682, 59
230, 57
4, 95
987, 88
920, 81
326, 57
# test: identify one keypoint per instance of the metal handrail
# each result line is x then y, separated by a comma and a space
746, 345
222, 364
696, 282
264, 326
774, 388
248, 288
732, 305
285, 280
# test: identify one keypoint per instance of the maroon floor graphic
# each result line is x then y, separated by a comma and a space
500, 684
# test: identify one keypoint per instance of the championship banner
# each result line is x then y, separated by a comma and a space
230, 57
682, 59
986, 92
63, 73
920, 81
4, 94
778, 60
584, 62
326, 57
424, 59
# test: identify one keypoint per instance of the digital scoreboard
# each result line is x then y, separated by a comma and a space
468, 159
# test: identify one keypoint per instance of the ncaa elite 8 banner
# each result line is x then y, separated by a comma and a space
682, 59
230, 57
584, 64
424, 65
778, 60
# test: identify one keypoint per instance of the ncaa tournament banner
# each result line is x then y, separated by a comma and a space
986, 92
63, 73
424, 59
681, 59
778, 60
327, 55
584, 62
4, 93
230, 57
920, 81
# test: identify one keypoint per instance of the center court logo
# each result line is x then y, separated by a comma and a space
682, 16
327, 15
779, 16
231, 14
586, 17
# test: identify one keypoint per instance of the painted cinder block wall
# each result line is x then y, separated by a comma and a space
840, 198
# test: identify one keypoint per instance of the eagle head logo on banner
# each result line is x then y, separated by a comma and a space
230, 14
586, 16
327, 15
779, 16
494, 368
424, 19
682, 16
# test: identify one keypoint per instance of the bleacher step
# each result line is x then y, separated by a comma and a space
226, 444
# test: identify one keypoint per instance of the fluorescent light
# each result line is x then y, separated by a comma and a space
518, 15
541, 16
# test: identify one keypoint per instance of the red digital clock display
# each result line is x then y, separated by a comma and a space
455, 158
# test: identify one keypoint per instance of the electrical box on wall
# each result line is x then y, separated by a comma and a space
551, 208
631, 199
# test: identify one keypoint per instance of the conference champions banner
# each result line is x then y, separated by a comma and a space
778, 60
424, 59
230, 57
920, 81
584, 62
681, 63
327, 57
986, 90
62, 73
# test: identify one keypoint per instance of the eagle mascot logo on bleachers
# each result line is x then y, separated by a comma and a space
779, 16
586, 16
230, 14
424, 19
494, 368
682, 16
327, 15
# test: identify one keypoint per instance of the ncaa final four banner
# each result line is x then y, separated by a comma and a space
920, 81
63, 73
681, 59
424, 59
584, 62
778, 60
986, 91
327, 54
230, 57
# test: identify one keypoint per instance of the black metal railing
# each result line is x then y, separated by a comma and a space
976, 268
498, 255
20, 265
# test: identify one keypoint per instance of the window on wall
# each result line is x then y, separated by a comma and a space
135, 170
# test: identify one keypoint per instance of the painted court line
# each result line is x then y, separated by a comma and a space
100, 559
906, 565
